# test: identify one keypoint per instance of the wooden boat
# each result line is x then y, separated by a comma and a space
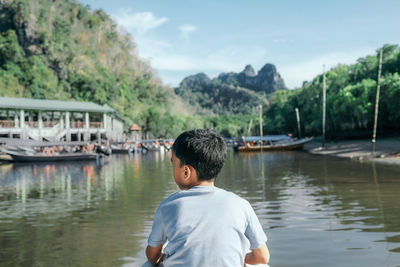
291, 144
30, 157
122, 149
30, 151
156, 145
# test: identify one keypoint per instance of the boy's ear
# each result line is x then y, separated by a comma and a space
187, 171
190, 172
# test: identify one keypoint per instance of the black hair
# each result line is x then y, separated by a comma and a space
203, 149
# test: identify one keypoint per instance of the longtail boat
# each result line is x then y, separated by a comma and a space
291, 144
27, 157
41, 151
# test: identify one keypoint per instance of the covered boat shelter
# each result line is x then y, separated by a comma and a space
56, 120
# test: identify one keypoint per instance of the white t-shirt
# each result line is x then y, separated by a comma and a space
206, 226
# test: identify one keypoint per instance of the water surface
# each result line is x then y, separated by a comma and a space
316, 211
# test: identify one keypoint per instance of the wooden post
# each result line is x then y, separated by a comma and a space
87, 123
323, 108
8, 119
16, 121
61, 121
261, 127
40, 124
67, 120
67, 126
104, 120
250, 124
22, 119
22, 124
298, 122
40, 119
378, 89
86, 135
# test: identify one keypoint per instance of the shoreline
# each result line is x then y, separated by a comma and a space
387, 150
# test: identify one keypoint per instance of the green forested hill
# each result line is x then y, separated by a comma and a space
350, 103
59, 49
231, 93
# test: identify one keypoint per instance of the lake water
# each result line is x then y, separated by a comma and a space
316, 211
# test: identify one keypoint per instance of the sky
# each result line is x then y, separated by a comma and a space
185, 37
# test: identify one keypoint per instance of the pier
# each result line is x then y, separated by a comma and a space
55, 120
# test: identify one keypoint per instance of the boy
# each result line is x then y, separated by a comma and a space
204, 225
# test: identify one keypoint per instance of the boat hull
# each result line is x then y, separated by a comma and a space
19, 157
292, 145
122, 151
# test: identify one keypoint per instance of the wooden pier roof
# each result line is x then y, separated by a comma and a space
52, 105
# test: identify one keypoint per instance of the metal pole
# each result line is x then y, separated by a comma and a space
323, 108
378, 89
298, 122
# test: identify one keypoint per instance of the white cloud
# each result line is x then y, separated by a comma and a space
138, 22
170, 62
174, 63
223, 60
233, 58
187, 29
296, 73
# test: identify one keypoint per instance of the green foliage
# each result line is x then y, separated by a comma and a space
9, 84
41, 82
10, 50
232, 125
218, 96
350, 103
390, 112
67, 51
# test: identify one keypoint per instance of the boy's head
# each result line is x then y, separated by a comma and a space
203, 149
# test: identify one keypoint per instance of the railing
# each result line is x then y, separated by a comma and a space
49, 124
32, 124
77, 124
6, 124
45, 124
96, 124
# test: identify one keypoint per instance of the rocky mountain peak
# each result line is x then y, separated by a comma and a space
249, 71
195, 80
266, 81
267, 69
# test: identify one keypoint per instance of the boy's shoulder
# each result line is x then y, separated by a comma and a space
169, 198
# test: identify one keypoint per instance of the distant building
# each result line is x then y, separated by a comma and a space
136, 132
56, 120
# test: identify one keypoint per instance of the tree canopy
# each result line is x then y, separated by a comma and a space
350, 103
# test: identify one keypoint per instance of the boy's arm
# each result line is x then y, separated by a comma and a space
154, 254
257, 256
157, 238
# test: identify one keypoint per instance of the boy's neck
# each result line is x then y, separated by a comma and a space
206, 183
198, 183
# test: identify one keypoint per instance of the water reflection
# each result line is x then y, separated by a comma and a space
78, 213
334, 208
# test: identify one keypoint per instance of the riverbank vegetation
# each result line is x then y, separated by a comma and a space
350, 102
